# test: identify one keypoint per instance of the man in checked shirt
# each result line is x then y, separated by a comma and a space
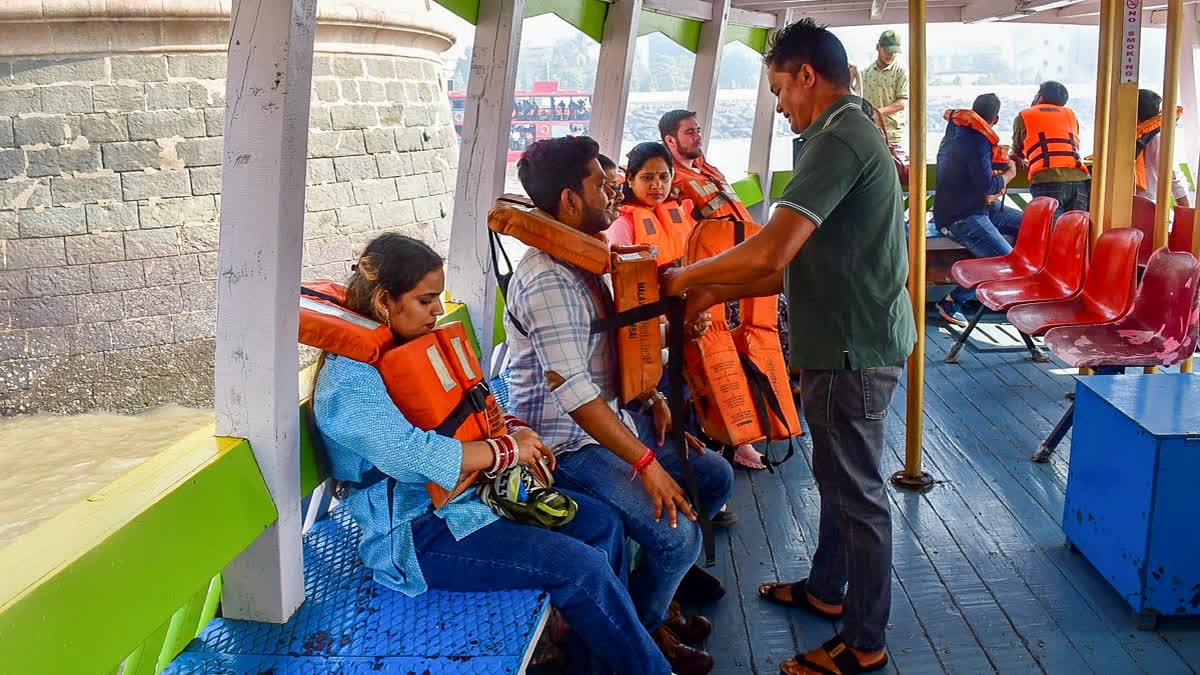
564, 383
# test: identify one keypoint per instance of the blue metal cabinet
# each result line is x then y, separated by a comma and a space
1133, 491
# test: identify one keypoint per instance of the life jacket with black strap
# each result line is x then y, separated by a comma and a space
434, 380
1051, 138
1146, 131
665, 228
711, 195
971, 120
739, 378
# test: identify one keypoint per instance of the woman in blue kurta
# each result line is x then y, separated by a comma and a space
462, 546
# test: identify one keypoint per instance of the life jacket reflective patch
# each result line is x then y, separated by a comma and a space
434, 380
634, 310
710, 194
1051, 139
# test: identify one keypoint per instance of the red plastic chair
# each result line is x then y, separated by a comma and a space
1027, 257
1180, 238
1161, 330
1143, 221
1107, 293
1061, 278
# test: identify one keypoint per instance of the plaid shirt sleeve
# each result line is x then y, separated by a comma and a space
557, 312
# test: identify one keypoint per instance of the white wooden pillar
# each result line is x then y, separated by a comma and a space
703, 94
487, 122
262, 215
1187, 93
761, 136
610, 96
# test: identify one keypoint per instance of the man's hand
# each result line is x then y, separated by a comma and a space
1010, 172
669, 282
665, 494
695, 328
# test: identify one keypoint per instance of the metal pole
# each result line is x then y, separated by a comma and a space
1122, 129
912, 477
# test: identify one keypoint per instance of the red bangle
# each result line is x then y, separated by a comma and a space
645, 461
512, 423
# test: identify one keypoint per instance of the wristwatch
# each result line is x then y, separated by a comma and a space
653, 397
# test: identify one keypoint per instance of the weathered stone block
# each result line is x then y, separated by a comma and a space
49, 341
149, 125
395, 92
117, 276
335, 143
151, 301
55, 222
8, 225
53, 71
73, 98
118, 97
90, 338
137, 185
201, 96
103, 127
411, 187
374, 191
19, 101
326, 91
36, 130
24, 194
12, 346
354, 116
170, 271
327, 250
319, 118
143, 68
208, 265
394, 164
160, 213
328, 196
320, 224
390, 216
348, 66
48, 311
195, 326
28, 253
68, 190
434, 179
372, 92
206, 180
379, 140
421, 92
428, 208
98, 306
408, 139
69, 280
214, 121
12, 163
199, 296
13, 284
164, 96
320, 171
7, 138
322, 66
201, 151
422, 161
392, 115
131, 156
355, 167
200, 238
418, 115
158, 243
102, 247
53, 161
143, 332
115, 217
355, 219
335, 270
409, 69
199, 66
381, 67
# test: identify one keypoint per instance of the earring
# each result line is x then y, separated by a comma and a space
387, 317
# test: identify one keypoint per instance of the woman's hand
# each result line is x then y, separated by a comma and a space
530, 448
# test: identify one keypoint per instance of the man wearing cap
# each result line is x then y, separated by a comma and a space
885, 86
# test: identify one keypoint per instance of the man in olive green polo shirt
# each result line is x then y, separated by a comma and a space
839, 233
885, 86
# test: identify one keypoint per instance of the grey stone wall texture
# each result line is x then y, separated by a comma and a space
110, 181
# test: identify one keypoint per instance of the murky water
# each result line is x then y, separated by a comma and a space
48, 463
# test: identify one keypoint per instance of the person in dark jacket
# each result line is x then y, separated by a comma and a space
972, 174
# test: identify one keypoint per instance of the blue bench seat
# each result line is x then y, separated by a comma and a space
351, 624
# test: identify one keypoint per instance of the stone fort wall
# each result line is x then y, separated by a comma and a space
110, 154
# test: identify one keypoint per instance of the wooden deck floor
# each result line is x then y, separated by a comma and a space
982, 580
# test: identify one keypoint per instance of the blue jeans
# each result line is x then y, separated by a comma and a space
581, 566
666, 554
983, 235
1071, 196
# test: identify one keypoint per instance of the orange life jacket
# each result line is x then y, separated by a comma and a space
434, 380
635, 311
710, 194
738, 378
972, 120
1051, 138
665, 228
1146, 131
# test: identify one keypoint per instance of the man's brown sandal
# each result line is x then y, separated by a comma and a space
799, 599
833, 658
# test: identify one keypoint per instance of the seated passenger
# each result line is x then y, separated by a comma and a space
564, 381
1149, 144
973, 172
648, 214
612, 181
462, 546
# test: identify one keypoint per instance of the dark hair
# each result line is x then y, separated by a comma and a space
808, 42
605, 162
987, 106
1053, 93
668, 124
393, 262
638, 156
550, 166
1149, 105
